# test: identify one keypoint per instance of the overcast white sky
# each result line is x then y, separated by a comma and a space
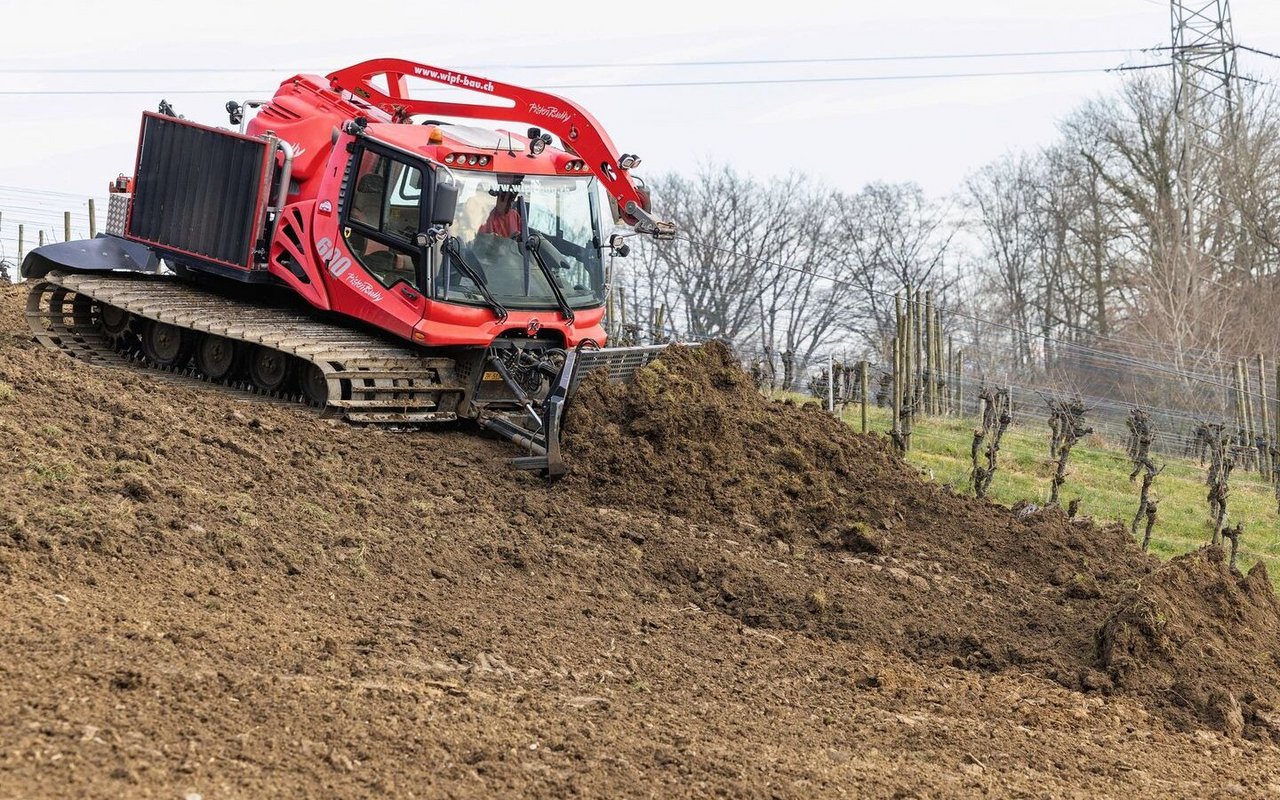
72, 123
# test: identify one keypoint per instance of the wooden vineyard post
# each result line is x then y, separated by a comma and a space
930, 366
831, 384
66, 226
93, 220
895, 428
908, 350
940, 382
911, 370
917, 364
865, 384
1237, 384
951, 376
20, 227
960, 382
895, 423
1264, 424
660, 325
624, 336
1246, 389
903, 370
611, 329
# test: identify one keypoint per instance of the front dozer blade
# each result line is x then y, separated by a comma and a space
619, 365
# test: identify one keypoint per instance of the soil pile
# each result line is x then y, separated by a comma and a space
893, 558
691, 436
1202, 638
204, 593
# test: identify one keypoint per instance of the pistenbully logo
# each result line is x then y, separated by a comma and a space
549, 111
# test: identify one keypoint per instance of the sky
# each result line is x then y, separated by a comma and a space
75, 76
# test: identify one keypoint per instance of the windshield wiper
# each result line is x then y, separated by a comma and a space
530, 244
451, 248
533, 243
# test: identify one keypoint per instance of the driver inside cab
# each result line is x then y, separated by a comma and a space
504, 219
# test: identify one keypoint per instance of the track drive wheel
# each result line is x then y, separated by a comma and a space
216, 356
166, 345
115, 323
315, 388
270, 370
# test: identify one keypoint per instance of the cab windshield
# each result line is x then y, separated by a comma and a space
560, 213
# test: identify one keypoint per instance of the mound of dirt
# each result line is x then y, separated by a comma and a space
893, 558
1202, 638
692, 436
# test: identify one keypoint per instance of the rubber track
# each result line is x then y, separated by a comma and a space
368, 380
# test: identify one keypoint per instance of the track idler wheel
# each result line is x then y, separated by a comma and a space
216, 357
270, 370
315, 388
166, 345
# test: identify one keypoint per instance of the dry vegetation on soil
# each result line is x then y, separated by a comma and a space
728, 597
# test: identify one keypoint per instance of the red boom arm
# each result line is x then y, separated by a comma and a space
575, 127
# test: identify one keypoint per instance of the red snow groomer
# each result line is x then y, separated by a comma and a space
397, 259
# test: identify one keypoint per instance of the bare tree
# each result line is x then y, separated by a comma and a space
806, 287
714, 264
1002, 196
896, 237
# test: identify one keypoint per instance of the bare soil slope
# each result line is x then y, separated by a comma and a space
209, 594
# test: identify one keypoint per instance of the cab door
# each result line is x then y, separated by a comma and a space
382, 278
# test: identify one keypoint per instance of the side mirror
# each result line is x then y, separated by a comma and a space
444, 204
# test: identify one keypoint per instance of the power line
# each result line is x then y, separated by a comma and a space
848, 79
623, 85
599, 65
1256, 50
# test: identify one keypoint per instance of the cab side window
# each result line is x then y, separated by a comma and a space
382, 218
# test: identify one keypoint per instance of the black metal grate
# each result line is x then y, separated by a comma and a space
197, 191
619, 362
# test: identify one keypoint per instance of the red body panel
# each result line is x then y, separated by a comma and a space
295, 225
453, 324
